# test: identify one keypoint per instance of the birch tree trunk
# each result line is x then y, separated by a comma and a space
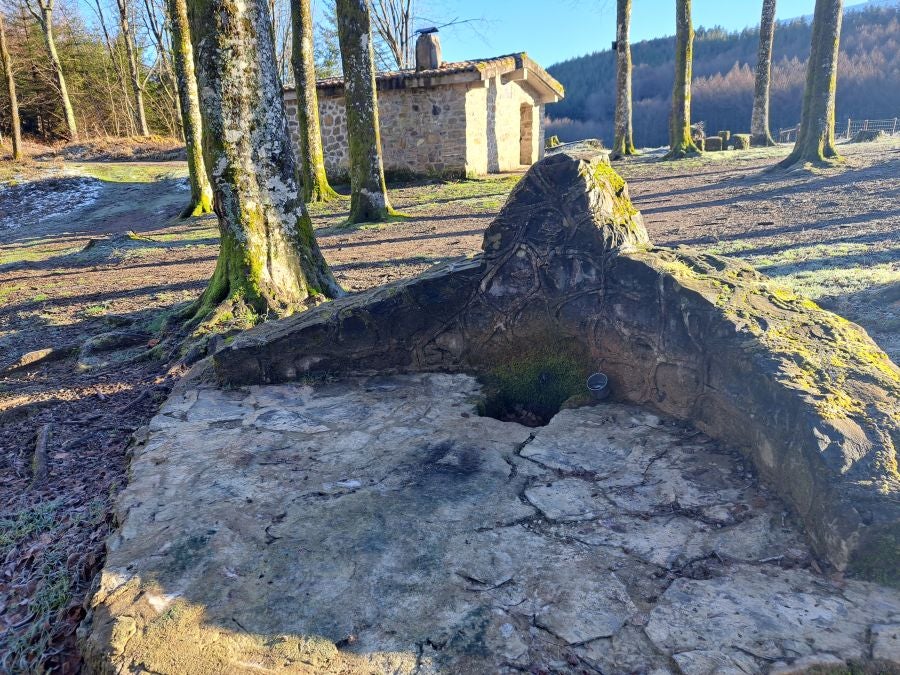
680, 142
623, 142
136, 89
189, 107
11, 93
815, 139
312, 157
44, 17
368, 193
269, 261
759, 121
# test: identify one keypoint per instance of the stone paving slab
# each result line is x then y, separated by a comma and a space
378, 525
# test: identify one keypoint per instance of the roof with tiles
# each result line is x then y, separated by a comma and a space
448, 73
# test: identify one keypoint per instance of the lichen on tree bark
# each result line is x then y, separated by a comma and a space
312, 157
189, 104
269, 262
623, 142
815, 138
680, 142
368, 193
759, 121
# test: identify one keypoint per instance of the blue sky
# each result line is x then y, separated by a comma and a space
555, 30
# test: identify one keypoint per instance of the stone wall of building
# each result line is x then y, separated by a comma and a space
335, 142
467, 128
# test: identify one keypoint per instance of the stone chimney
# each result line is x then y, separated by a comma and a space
428, 50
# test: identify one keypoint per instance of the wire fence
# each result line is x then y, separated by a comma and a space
853, 127
788, 135
887, 126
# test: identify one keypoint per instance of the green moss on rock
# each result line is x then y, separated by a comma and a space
603, 174
878, 558
530, 382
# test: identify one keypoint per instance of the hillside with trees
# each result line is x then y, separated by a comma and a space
723, 78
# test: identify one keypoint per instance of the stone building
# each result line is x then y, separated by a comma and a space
465, 118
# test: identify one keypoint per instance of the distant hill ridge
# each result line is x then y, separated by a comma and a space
722, 96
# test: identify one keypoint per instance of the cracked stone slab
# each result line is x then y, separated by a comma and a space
378, 524
768, 612
886, 642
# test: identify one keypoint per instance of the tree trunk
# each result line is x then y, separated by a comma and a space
680, 142
368, 193
759, 121
312, 158
815, 139
114, 61
189, 107
45, 19
269, 261
623, 143
11, 92
136, 89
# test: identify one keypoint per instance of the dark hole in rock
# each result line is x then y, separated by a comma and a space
530, 385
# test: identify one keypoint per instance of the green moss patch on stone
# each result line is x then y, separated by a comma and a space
602, 175
878, 558
820, 352
532, 380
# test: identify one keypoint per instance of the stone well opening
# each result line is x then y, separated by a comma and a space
532, 381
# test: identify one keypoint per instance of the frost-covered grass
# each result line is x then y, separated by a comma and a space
647, 163
30, 202
822, 270
48, 572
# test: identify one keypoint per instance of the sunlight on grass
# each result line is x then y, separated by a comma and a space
129, 172
7, 290
198, 233
10, 255
822, 270
648, 163
95, 310
833, 282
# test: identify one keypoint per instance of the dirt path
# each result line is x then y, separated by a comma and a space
831, 234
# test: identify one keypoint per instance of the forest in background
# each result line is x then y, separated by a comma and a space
93, 54
722, 90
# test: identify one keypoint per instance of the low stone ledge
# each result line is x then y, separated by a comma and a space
808, 395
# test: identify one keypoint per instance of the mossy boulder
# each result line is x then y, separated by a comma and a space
713, 144
725, 136
807, 395
740, 142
